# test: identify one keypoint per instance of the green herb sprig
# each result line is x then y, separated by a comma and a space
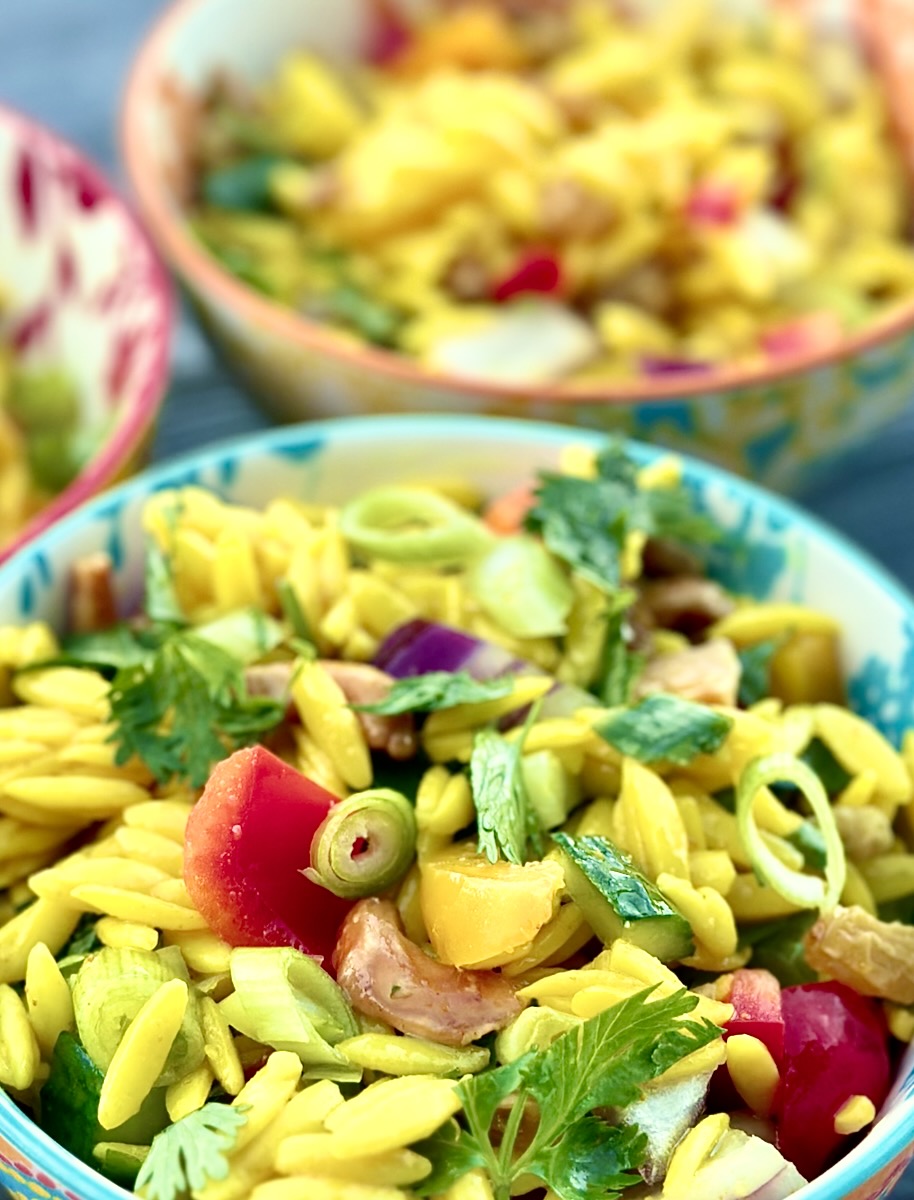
602, 1064
436, 690
187, 1155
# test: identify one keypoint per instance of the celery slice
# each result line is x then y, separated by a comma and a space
109, 990
283, 999
413, 525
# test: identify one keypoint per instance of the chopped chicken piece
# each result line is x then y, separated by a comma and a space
708, 674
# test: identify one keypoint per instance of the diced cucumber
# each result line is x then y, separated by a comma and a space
119, 1161
618, 901
69, 1105
551, 789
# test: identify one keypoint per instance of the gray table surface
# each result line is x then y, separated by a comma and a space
64, 62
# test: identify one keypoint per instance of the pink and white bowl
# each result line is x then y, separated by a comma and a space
88, 295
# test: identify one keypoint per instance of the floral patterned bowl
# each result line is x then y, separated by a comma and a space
770, 423
87, 295
788, 556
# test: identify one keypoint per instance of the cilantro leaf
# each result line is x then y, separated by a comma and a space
666, 728
593, 1160
673, 515
505, 817
83, 940
185, 1156
436, 690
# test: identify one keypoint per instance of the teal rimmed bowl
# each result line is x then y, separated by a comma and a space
787, 555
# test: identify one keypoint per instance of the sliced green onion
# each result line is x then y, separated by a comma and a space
109, 990
365, 844
805, 891
522, 587
283, 999
413, 525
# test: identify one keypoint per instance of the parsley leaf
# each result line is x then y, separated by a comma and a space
755, 671
602, 1063
592, 1160
666, 728
585, 522
452, 1152
505, 818
185, 706
178, 695
185, 1156
436, 690
498, 793
621, 666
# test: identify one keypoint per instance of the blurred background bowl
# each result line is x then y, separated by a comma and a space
87, 299
786, 555
774, 423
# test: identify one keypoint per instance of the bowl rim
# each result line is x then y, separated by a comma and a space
203, 271
861, 1162
137, 417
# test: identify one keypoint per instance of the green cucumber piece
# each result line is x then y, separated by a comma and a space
553, 792
242, 186
119, 1161
69, 1105
618, 901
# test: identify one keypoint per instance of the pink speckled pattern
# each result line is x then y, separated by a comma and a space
85, 293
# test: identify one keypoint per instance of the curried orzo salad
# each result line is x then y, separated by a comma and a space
580, 191
426, 846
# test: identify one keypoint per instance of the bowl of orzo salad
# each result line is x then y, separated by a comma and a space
623, 214
443, 807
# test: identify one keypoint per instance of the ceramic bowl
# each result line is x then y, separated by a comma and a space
789, 555
87, 295
772, 424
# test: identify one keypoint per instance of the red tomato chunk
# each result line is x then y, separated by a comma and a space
835, 1047
247, 841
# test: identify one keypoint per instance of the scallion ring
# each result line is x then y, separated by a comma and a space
413, 525
805, 891
365, 844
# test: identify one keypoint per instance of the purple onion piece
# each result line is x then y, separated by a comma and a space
657, 365
420, 646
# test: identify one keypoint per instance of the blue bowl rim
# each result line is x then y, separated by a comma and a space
895, 1132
